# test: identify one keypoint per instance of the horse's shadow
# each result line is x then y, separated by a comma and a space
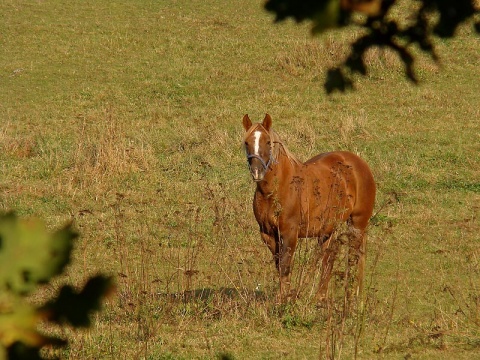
208, 294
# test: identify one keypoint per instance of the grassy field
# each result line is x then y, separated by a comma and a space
125, 117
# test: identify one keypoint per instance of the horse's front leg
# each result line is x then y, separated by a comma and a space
272, 244
287, 245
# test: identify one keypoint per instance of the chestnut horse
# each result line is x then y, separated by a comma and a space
307, 200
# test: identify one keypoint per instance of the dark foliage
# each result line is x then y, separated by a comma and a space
432, 18
74, 307
29, 257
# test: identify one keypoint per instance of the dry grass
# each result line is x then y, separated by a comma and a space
103, 149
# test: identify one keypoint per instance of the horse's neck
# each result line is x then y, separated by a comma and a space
282, 167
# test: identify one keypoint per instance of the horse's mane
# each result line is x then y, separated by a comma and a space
277, 145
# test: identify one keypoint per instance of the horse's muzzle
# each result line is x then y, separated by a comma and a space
257, 174
258, 167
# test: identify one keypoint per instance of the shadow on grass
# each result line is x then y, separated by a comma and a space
205, 294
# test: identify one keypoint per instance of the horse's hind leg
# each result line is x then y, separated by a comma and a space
358, 242
359, 221
361, 268
329, 250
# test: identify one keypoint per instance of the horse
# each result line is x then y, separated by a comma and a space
307, 200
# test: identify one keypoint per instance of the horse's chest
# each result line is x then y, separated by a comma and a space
267, 210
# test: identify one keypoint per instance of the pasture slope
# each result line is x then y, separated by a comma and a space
125, 116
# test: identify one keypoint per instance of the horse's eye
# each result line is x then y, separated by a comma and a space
268, 142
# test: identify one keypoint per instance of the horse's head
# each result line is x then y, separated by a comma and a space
258, 146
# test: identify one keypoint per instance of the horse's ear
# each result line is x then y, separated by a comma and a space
267, 122
247, 123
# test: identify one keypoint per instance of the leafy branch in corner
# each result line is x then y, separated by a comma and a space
29, 257
428, 19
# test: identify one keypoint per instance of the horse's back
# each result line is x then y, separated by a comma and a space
357, 174
334, 157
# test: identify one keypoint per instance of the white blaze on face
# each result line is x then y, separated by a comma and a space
256, 148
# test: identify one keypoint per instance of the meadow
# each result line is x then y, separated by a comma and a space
125, 118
